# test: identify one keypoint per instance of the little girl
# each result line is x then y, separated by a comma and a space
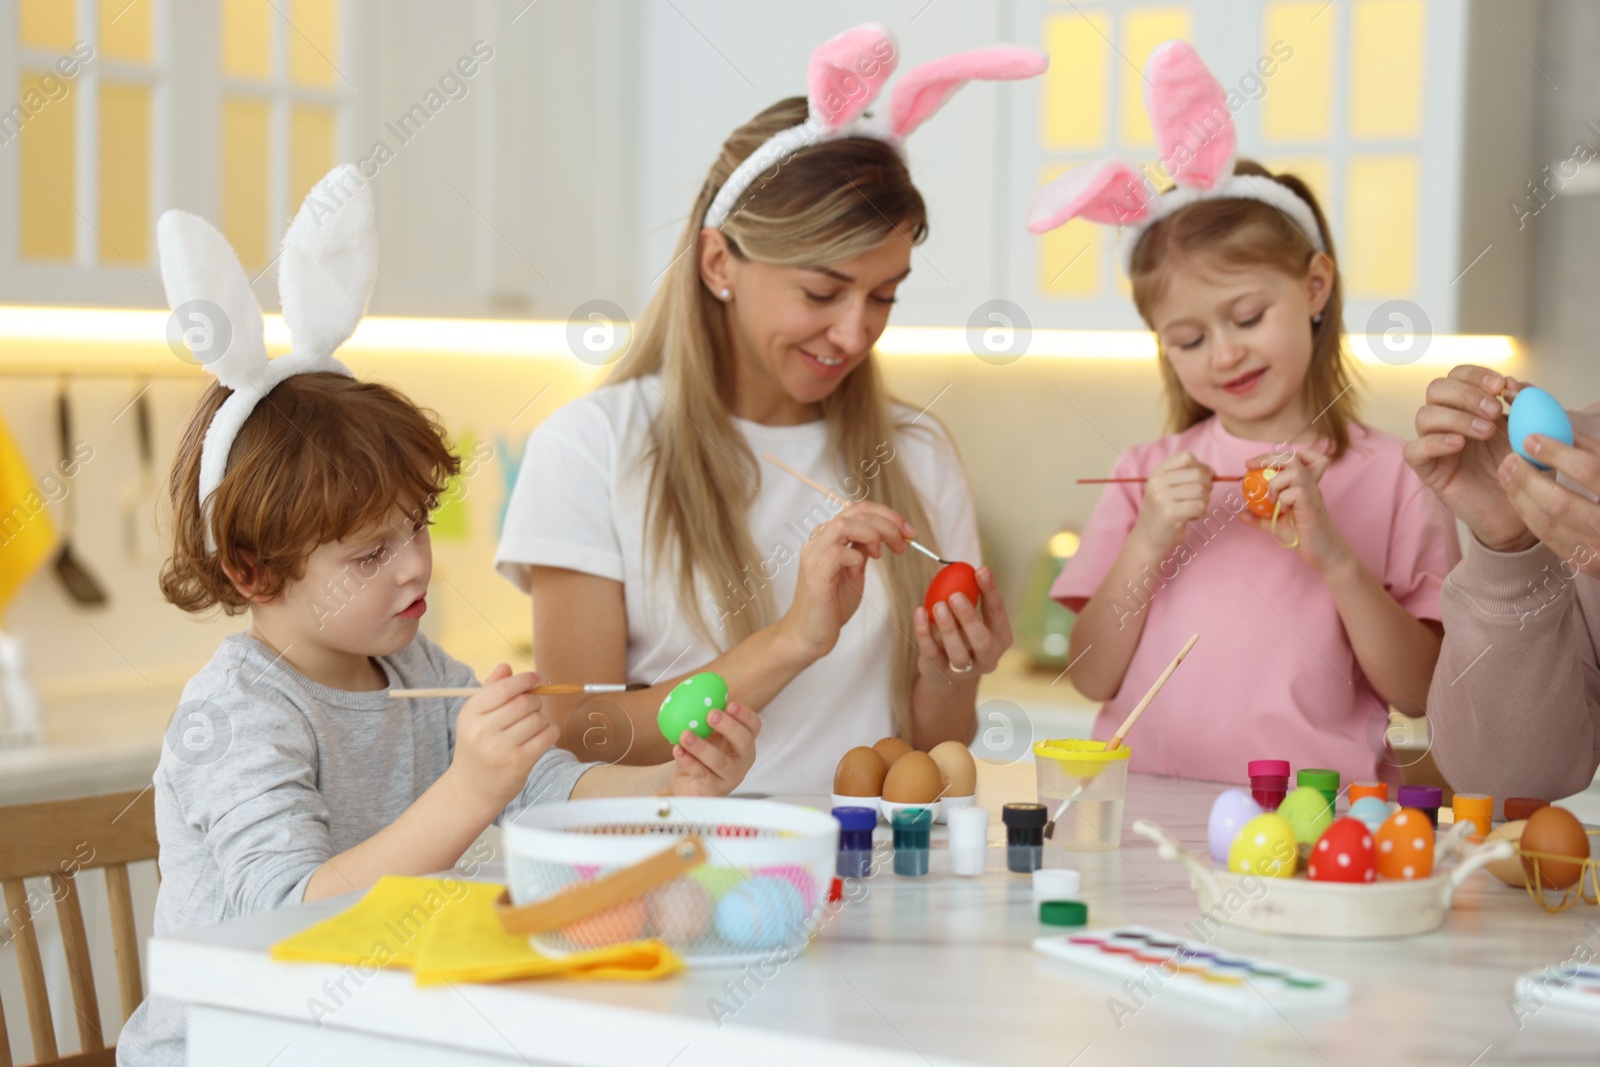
301, 495
1317, 608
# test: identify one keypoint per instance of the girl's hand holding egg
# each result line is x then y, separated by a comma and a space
1177, 492
956, 636
1293, 489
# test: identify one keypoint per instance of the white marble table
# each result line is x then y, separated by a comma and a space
919, 971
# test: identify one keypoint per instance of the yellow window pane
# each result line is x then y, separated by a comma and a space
48, 24
1142, 31
246, 179
1313, 170
124, 174
313, 41
1380, 220
1299, 102
1386, 68
1073, 115
1069, 256
48, 155
125, 29
310, 150
247, 38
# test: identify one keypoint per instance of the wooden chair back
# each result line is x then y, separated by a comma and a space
57, 840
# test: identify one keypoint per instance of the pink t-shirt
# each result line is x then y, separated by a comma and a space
1273, 676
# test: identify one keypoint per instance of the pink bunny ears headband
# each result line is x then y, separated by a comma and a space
1195, 134
325, 277
845, 76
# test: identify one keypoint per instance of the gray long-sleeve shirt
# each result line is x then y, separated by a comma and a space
1514, 708
265, 775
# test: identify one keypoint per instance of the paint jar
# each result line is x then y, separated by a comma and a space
912, 829
1425, 798
1522, 807
1369, 789
855, 841
1324, 781
1024, 836
1476, 808
1269, 782
969, 840
1083, 787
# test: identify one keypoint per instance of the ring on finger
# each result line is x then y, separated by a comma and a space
962, 670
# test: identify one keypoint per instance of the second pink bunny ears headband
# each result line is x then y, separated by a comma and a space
1196, 137
845, 76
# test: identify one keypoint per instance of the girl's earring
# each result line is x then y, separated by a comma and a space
1316, 320
726, 294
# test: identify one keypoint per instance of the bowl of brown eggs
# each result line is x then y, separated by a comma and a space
892, 775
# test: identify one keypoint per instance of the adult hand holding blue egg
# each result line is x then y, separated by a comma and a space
1535, 411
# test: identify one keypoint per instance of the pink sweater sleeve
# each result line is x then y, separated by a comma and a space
1515, 703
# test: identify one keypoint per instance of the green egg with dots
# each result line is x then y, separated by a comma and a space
689, 703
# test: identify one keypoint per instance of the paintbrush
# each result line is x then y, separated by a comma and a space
1126, 481
551, 689
841, 501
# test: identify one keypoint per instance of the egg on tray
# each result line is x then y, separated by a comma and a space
860, 773
1405, 846
913, 779
1265, 847
1552, 832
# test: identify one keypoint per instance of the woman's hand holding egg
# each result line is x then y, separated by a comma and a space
1461, 448
1295, 490
1565, 521
1176, 493
960, 637
833, 565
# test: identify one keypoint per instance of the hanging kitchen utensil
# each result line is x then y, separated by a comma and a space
80, 585
138, 499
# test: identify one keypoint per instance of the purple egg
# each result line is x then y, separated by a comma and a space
1229, 812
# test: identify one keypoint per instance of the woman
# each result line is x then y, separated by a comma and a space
655, 541
1515, 702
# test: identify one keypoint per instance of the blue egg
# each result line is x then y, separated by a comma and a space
1536, 411
760, 913
1229, 812
1370, 810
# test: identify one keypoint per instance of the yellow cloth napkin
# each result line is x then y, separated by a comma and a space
27, 537
445, 930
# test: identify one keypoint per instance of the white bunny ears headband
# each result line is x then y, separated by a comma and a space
325, 277
845, 76
1195, 134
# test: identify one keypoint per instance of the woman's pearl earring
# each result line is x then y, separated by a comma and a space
726, 294
1316, 320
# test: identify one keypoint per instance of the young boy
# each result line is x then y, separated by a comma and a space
289, 772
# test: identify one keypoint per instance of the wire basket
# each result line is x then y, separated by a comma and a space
722, 882
1540, 868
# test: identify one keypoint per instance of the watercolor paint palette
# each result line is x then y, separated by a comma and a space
1571, 988
1151, 966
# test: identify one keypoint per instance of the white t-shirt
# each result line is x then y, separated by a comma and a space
579, 504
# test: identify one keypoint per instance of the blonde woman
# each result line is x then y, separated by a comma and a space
656, 543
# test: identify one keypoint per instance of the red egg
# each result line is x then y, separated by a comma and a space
1255, 491
956, 578
1344, 853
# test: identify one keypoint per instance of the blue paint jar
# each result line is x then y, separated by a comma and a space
855, 841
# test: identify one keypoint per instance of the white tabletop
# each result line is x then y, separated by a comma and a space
933, 970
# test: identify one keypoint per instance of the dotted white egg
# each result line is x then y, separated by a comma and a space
1418, 844
1261, 839
694, 724
1386, 846
1409, 872
1366, 840
1344, 859
1400, 820
1322, 846
708, 702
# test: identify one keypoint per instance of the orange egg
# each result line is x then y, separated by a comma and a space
891, 749
1405, 845
625, 922
1255, 491
1553, 831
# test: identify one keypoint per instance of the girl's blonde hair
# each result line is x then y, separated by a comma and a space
825, 204
1237, 233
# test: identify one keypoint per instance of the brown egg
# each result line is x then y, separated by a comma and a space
860, 773
1554, 831
1508, 870
958, 772
913, 779
891, 749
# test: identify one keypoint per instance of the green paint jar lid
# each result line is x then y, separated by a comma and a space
1064, 912
1317, 778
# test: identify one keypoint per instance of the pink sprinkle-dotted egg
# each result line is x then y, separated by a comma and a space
1405, 845
1344, 853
